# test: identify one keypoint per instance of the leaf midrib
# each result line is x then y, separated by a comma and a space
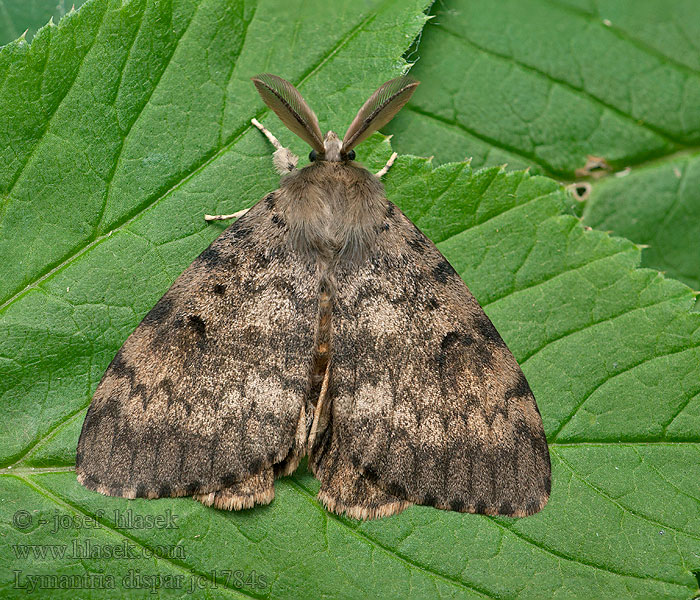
625, 37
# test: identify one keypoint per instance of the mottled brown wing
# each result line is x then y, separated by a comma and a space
428, 401
210, 388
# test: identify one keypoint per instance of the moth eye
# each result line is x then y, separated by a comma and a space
351, 155
312, 155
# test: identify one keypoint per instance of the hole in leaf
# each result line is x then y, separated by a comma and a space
580, 190
596, 166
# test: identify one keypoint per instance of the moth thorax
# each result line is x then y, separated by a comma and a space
331, 147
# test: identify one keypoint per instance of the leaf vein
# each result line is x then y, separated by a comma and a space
661, 476
580, 91
125, 135
553, 277
626, 37
628, 310
622, 507
58, 105
528, 156
411, 564
647, 359
578, 561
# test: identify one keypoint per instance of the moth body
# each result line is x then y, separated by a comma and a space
321, 323
332, 148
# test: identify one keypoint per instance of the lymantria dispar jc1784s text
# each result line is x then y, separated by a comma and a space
321, 323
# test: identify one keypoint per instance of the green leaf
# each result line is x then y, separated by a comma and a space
105, 181
656, 205
17, 17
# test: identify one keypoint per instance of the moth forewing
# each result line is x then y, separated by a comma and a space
322, 322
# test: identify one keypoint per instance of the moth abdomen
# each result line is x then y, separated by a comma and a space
322, 343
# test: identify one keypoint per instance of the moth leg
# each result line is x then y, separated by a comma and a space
385, 169
285, 160
345, 491
258, 489
235, 215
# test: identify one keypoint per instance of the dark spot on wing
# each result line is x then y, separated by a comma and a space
396, 489
520, 390
279, 221
443, 271
119, 366
417, 244
418, 241
433, 303
193, 488
482, 357
270, 201
522, 431
370, 473
219, 289
139, 390
390, 210
429, 500
173, 398
457, 505
114, 491
453, 338
196, 322
532, 506
256, 465
451, 351
261, 261
229, 479
243, 231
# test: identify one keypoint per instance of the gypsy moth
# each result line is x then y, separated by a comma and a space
321, 323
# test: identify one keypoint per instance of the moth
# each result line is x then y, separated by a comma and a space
322, 323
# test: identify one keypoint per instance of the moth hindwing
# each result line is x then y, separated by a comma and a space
321, 323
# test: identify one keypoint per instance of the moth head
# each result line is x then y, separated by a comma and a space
332, 147
332, 150
286, 101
